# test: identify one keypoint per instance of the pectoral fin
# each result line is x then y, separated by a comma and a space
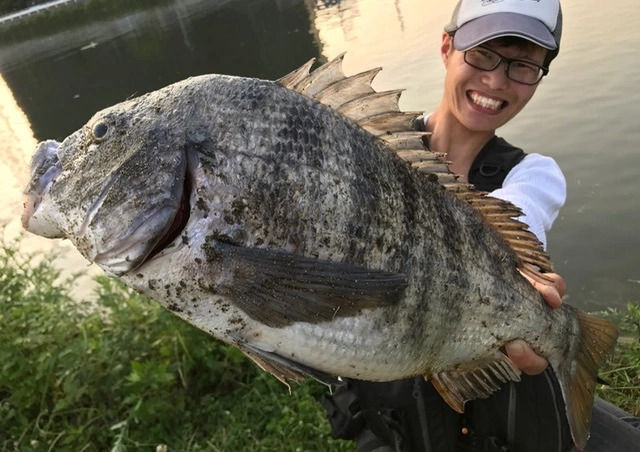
278, 288
458, 386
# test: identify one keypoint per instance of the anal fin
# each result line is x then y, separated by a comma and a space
284, 369
282, 373
458, 386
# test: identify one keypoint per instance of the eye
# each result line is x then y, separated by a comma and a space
523, 66
99, 130
482, 53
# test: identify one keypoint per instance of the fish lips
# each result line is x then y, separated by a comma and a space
38, 216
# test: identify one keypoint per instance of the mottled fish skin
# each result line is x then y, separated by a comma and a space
264, 168
277, 170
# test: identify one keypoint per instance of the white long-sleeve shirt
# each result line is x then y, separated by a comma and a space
537, 186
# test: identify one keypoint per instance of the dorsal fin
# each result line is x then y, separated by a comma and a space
379, 114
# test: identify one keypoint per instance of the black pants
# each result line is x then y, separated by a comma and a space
612, 430
409, 415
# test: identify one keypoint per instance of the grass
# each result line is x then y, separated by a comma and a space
622, 371
130, 376
120, 373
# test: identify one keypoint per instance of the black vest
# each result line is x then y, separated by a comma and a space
491, 165
409, 415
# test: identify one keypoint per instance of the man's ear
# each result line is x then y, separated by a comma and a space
446, 47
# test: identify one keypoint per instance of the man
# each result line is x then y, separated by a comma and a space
495, 53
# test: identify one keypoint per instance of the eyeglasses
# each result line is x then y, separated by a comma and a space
517, 70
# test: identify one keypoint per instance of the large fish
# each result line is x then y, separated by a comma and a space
304, 222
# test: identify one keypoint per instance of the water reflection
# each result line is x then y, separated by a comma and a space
83, 67
61, 71
17, 141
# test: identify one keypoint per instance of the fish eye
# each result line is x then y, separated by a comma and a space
99, 130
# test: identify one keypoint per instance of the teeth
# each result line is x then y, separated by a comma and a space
485, 101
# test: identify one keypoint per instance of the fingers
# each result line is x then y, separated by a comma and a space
558, 282
524, 358
552, 292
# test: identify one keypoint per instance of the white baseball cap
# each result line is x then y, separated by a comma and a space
477, 21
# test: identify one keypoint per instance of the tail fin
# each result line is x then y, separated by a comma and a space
577, 377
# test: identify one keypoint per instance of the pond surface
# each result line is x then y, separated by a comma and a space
59, 67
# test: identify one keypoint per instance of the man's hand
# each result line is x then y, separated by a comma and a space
518, 351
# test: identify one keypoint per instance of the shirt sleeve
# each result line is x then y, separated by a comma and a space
537, 186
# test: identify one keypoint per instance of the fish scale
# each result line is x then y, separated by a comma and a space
304, 222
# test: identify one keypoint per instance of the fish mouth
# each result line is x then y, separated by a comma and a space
122, 251
38, 217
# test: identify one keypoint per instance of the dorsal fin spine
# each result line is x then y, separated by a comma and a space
322, 77
293, 78
343, 91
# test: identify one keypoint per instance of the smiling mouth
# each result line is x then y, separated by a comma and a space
486, 102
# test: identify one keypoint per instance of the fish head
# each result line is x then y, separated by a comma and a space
115, 188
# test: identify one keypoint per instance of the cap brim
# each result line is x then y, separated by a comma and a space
491, 26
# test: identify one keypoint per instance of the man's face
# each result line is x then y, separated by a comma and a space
485, 100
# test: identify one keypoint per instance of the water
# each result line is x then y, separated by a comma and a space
55, 74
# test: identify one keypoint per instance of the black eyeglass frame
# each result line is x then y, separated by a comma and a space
545, 70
